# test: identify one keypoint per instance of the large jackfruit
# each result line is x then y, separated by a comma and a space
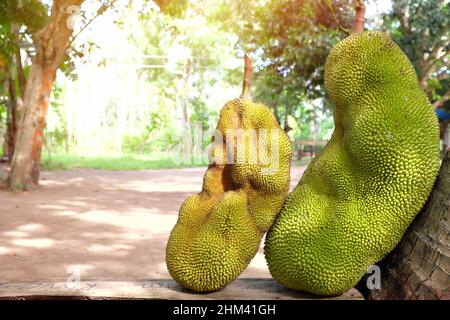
219, 230
359, 195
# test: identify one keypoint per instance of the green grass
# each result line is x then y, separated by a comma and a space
125, 162
63, 161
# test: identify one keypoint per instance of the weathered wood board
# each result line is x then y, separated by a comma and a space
240, 289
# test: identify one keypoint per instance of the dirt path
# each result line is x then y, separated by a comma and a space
110, 225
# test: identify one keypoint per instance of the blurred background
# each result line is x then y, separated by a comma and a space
130, 85
142, 83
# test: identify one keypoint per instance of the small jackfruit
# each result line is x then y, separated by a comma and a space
220, 229
359, 195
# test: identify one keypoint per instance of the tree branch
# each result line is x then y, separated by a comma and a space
443, 76
404, 23
428, 71
360, 11
247, 82
100, 11
439, 103
20, 73
18, 59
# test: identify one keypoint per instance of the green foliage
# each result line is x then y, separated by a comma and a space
421, 27
56, 137
33, 14
138, 144
172, 8
19, 20
192, 48
29, 17
148, 141
190, 57
289, 41
65, 161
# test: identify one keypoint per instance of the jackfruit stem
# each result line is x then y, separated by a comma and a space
360, 11
247, 82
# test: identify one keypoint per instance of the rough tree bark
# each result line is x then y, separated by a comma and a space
51, 44
18, 61
11, 121
419, 268
14, 105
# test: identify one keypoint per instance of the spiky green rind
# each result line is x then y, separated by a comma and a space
219, 230
359, 195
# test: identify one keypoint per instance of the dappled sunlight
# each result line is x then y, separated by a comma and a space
23, 236
136, 220
34, 243
118, 249
109, 235
168, 187
66, 213
31, 227
187, 180
4, 250
52, 206
111, 224
72, 202
15, 234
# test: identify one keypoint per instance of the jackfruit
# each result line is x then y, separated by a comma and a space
220, 229
359, 195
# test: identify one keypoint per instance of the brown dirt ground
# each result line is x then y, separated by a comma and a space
112, 225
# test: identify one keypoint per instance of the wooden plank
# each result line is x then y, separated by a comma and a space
240, 289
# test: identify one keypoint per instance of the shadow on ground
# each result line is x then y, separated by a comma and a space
109, 225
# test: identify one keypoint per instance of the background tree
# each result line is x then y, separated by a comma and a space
419, 267
289, 42
19, 20
191, 52
50, 44
421, 27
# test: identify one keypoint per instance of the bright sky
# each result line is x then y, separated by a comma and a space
374, 8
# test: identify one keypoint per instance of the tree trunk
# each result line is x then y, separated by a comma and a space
18, 61
276, 112
20, 73
51, 45
15, 101
276, 104
8, 145
419, 268
286, 126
